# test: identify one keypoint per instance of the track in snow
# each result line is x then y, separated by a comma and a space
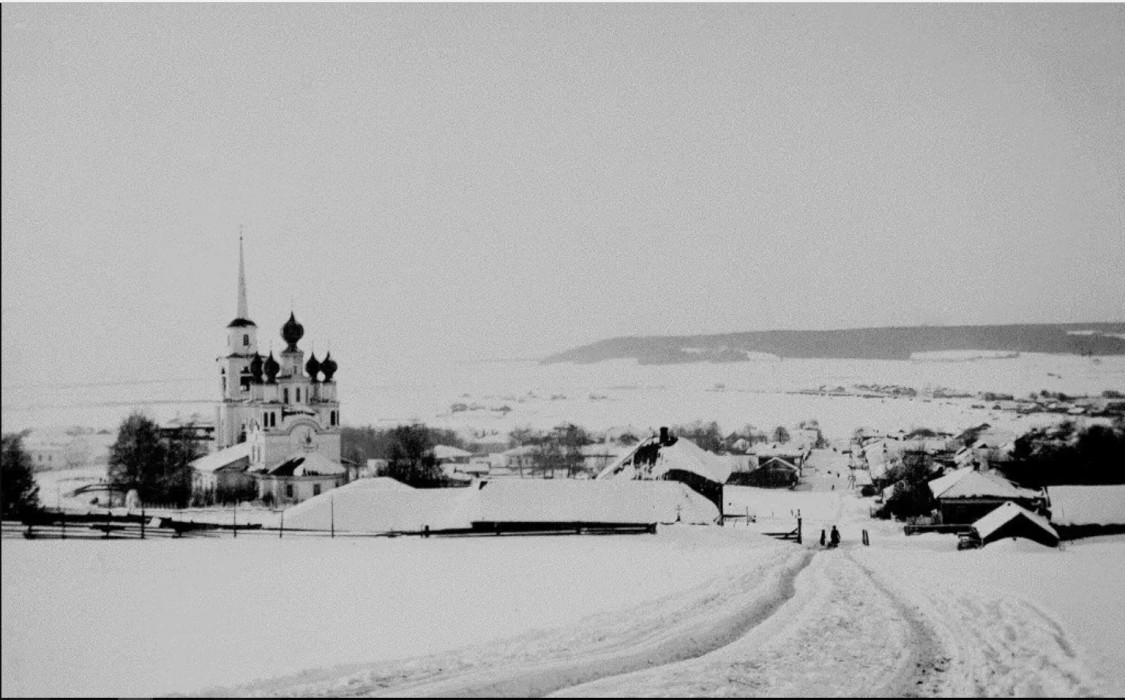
990, 644
798, 624
678, 627
840, 635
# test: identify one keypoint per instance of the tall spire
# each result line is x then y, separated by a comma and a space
242, 320
243, 311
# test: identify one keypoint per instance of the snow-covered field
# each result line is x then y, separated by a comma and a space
145, 617
616, 393
691, 610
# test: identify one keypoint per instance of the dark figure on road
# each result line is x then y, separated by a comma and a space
822, 538
835, 536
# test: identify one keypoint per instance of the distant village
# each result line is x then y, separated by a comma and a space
276, 440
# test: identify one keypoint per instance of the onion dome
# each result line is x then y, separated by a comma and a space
292, 332
313, 366
328, 367
256, 367
271, 368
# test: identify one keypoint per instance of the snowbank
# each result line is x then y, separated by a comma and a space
1087, 505
154, 617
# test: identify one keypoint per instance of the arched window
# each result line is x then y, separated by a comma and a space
285, 395
245, 338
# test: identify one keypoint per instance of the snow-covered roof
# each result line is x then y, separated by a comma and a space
1087, 505
786, 450
969, 483
378, 483
307, 464
777, 461
447, 452
222, 458
682, 455
1005, 513
576, 500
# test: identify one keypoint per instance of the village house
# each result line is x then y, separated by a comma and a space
300, 478
1010, 520
669, 458
967, 494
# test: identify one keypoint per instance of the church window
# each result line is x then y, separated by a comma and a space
285, 395
298, 392
316, 489
289, 490
245, 338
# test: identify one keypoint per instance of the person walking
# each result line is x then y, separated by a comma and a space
834, 537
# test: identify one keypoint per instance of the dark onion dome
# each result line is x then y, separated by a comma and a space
241, 323
292, 331
272, 368
256, 367
328, 367
313, 366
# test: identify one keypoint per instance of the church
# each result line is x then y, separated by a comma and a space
278, 425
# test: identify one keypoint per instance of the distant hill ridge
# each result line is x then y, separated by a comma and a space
858, 343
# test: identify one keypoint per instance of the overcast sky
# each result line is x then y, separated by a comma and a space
511, 180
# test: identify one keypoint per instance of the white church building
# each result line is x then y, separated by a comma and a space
282, 413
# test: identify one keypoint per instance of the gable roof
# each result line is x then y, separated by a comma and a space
1005, 514
682, 455
225, 457
969, 483
307, 464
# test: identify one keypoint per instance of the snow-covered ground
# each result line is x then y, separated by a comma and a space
146, 617
616, 393
691, 610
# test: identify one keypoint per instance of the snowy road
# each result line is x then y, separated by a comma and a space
678, 627
811, 622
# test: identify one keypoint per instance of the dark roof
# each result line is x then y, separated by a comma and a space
241, 323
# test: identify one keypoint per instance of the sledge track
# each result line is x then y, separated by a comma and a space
679, 627
840, 634
991, 644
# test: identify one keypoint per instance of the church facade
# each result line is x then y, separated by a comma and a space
284, 408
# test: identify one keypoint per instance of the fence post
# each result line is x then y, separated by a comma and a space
282, 530
108, 521
798, 530
332, 512
234, 519
142, 522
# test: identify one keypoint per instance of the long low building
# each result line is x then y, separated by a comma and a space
385, 505
1087, 510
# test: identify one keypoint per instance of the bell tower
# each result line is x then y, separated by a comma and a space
242, 343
